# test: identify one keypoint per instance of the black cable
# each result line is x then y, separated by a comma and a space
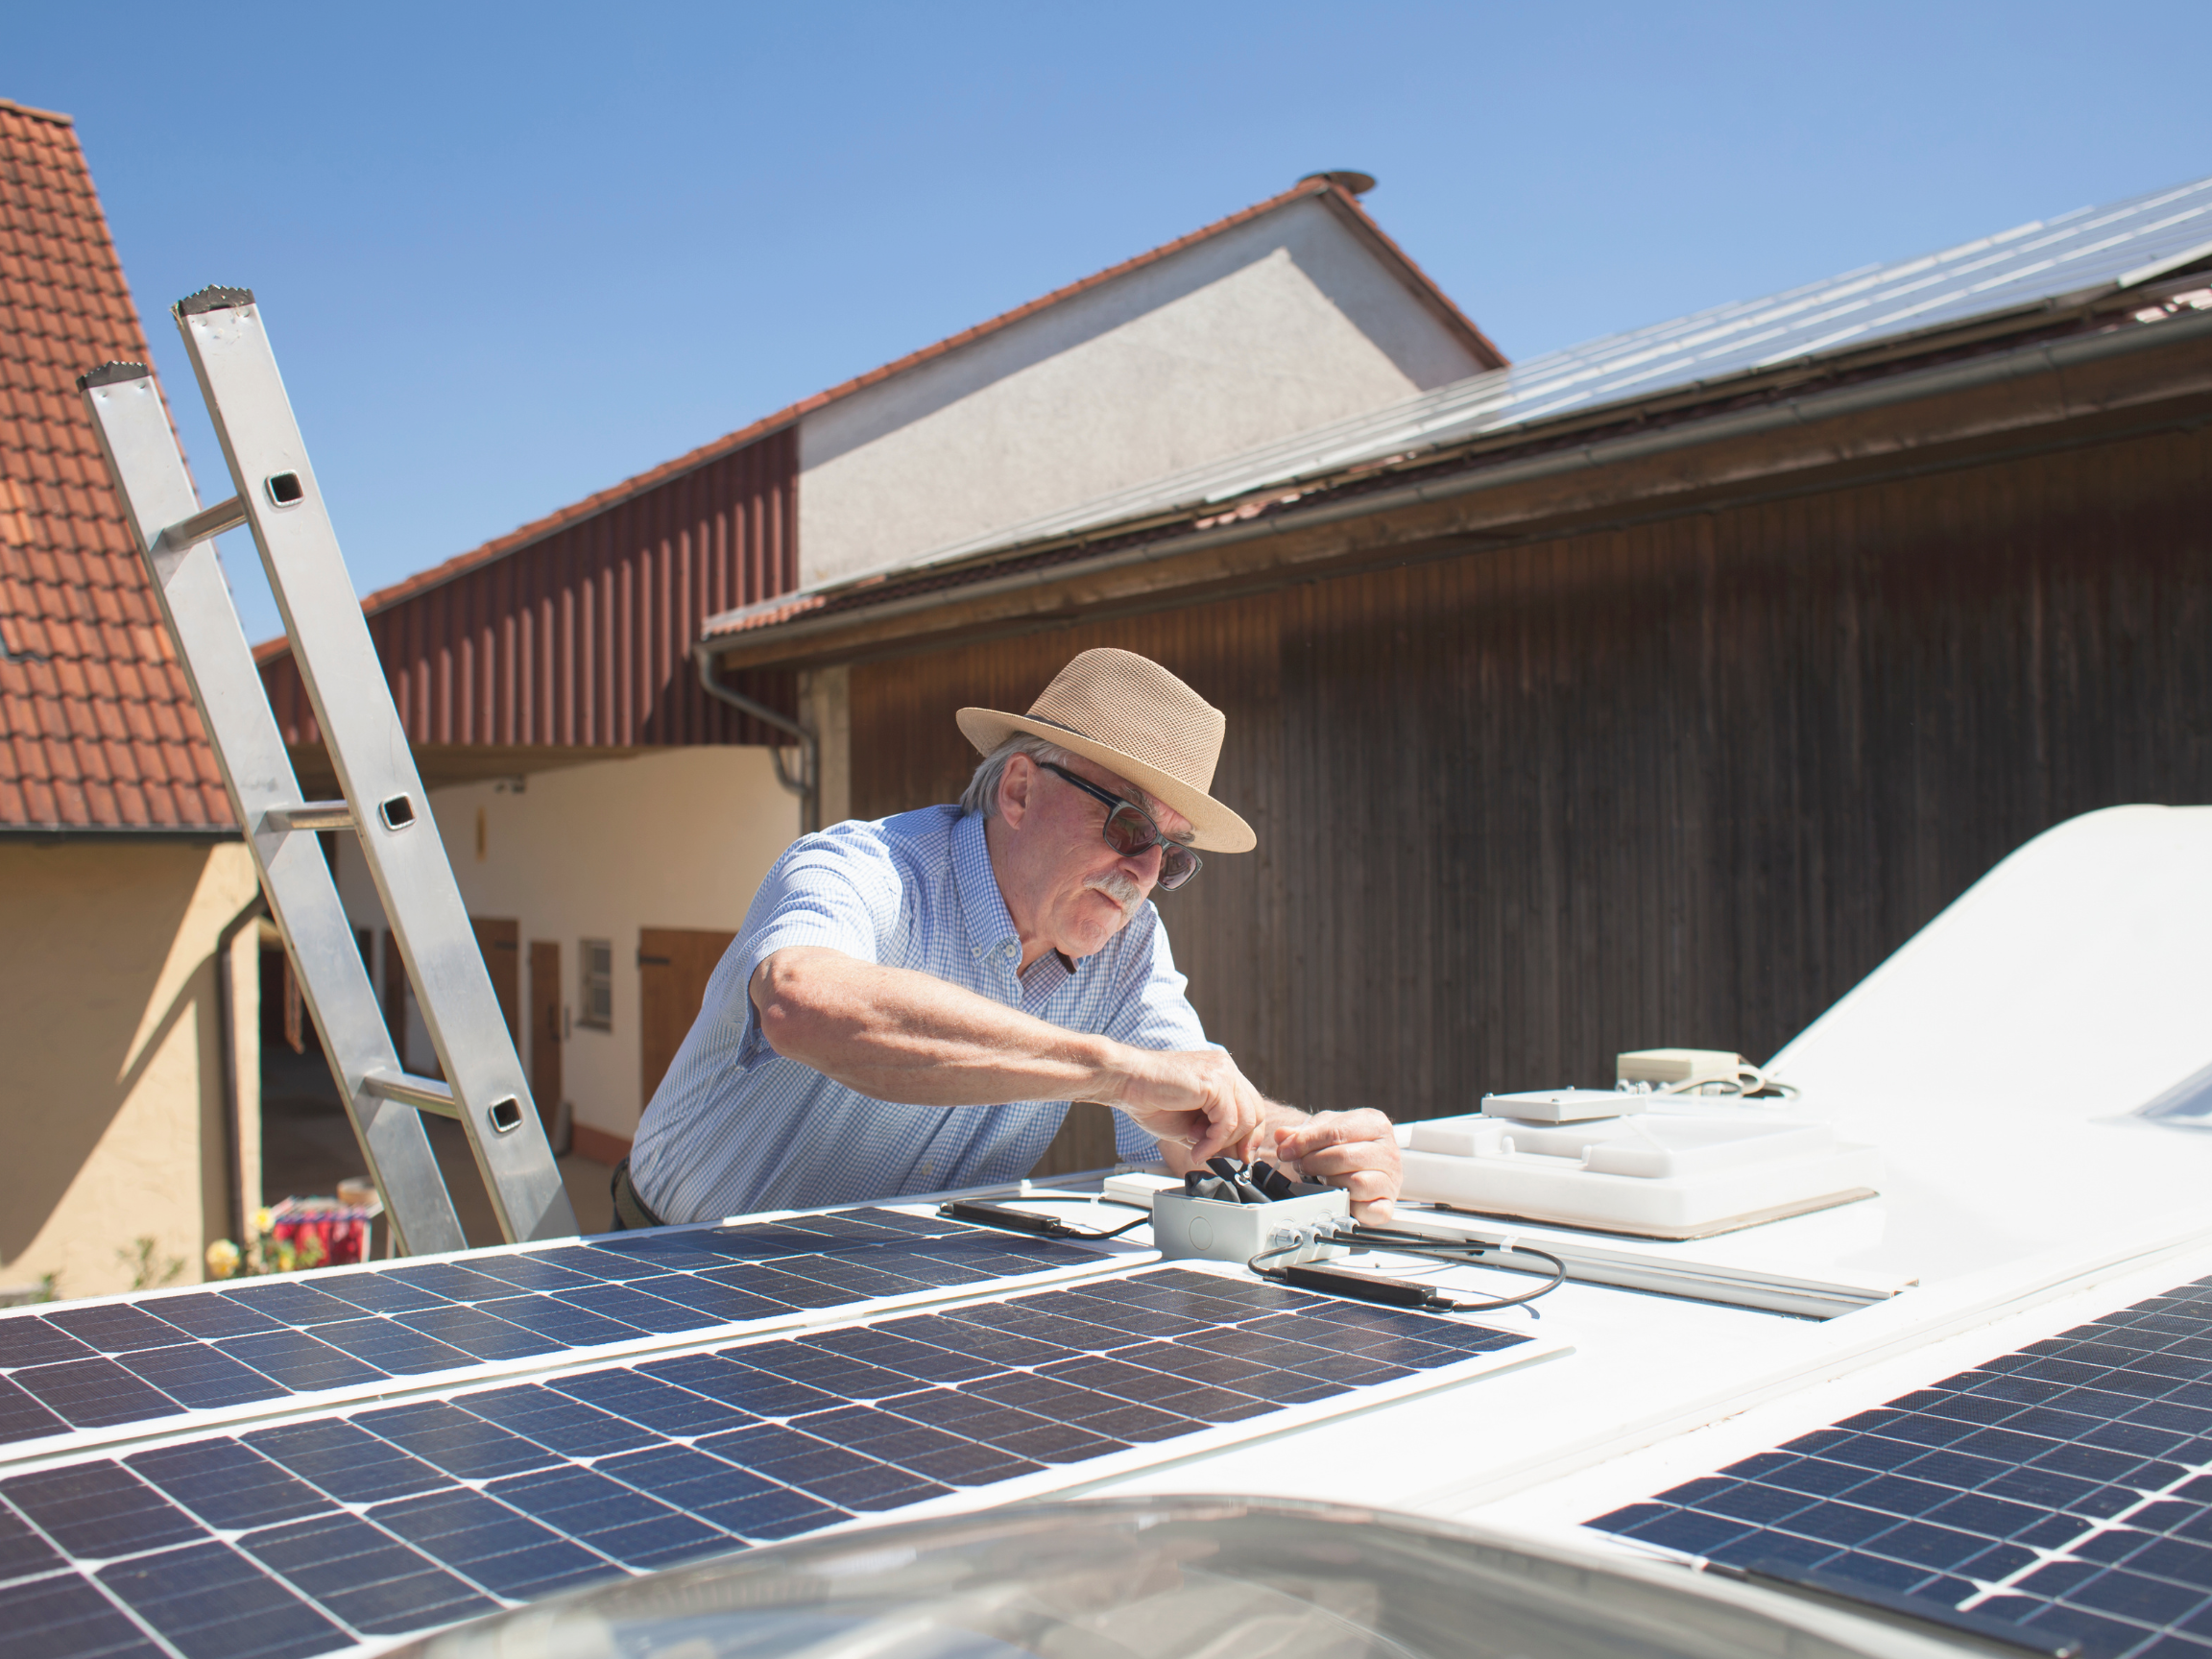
1009, 1220
1400, 1292
1269, 1255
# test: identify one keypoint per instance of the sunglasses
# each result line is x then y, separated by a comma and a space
1129, 831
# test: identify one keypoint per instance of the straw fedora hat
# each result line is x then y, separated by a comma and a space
1136, 719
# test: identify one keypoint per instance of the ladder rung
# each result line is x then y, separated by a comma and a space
424, 1094
208, 522
310, 816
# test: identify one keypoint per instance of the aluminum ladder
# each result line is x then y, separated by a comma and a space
384, 801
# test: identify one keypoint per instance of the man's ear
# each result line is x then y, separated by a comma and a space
1015, 783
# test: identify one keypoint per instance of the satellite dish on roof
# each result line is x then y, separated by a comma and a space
1345, 179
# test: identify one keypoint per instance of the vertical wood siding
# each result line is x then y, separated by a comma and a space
1685, 783
581, 637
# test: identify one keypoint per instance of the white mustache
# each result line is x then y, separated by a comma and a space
1118, 886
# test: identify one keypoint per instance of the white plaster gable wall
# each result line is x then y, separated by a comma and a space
679, 839
1280, 325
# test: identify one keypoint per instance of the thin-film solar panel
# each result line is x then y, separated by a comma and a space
2065, 1488
104, 1366
306, 1536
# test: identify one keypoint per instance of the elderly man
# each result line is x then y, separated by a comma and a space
913, 1003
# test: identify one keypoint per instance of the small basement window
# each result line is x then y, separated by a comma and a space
598, 956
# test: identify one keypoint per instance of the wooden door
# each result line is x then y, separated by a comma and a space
673, 967
500, 941
545, 1029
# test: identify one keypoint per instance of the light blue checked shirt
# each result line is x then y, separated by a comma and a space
735, 1127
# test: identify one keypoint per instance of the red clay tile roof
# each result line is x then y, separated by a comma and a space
97, 727
1334, 195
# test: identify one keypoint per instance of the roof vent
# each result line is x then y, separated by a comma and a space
1345, 179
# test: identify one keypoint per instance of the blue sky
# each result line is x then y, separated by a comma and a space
512, 255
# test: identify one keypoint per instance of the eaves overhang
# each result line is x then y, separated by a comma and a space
116, 834
2000, 376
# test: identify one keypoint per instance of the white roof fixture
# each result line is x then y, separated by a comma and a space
1648, 1164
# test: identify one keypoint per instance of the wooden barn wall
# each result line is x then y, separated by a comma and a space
581, 637
1677, 785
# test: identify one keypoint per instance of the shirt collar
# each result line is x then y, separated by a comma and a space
984, 908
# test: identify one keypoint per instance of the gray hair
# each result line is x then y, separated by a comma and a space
982, 795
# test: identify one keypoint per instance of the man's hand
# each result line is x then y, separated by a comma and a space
1354, 1150
1195, 1100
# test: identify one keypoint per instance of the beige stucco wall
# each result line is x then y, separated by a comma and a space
112, 1089
677, 839
1280, 325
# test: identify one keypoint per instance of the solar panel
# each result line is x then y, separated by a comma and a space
312, 1535
102, 1367
2089, 250
2065, 1488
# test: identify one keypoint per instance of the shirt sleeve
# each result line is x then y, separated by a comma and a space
1156, 1016
1153, 1012
836, 889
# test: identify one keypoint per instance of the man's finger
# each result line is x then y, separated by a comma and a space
1220, 1137
1366, 1185
1345, 1160
1336, 1129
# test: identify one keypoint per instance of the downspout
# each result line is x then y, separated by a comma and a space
225, 1019
807, 785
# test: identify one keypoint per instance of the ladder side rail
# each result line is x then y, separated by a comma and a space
346, 685
149, 475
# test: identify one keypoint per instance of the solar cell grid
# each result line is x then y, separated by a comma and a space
29, 1339
381, 1520
108, 1365
94, 1393
209, 1314
69, 1615
558, 1421
299, 1362
225, 1484
114, 1328
194, 1375
2066, 1487
210, 1602
365, 1575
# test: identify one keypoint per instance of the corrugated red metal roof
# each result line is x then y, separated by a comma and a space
97, 727
581, 637
1334, 195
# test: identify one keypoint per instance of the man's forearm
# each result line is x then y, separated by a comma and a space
893, 1034
896, 1035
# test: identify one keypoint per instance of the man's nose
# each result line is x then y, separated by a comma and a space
1145, 866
